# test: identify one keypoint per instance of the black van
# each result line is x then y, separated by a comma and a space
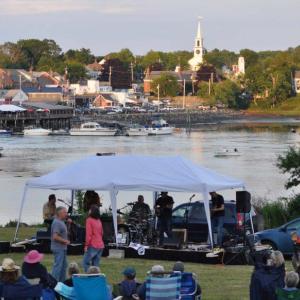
191, 216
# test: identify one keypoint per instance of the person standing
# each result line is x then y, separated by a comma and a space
217, 216
163, 208
59, 244
94, 244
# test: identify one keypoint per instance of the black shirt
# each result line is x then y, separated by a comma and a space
37, 270
217, 202
141, 210
163, 202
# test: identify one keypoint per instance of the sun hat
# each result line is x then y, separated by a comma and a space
33, 257
129, 271
8, 265
157, 269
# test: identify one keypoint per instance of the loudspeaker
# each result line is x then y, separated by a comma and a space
172, 243
243, 202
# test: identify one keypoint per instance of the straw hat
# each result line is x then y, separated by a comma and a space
8, 265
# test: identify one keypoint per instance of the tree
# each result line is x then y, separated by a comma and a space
83, 56
290, 164
203, 90
124, 55
220, 58
168, 85
227, 92
251, 57
76, 71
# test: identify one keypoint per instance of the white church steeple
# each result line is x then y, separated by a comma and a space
197, 60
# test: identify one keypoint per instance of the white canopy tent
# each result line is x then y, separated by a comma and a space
11, 108
134, 173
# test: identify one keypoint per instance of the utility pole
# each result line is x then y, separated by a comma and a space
158, 90
131, 67
20, 82
110, 72
209, 88
183, 99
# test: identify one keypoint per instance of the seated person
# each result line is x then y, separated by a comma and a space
291, 281
179, 267
156, 270
15, 286
73, 268
49, 209
140, 209
267, 277
33, 269
128, 286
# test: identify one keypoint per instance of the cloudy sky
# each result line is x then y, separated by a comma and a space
141, 25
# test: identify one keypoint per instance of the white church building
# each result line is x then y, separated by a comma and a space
197, 59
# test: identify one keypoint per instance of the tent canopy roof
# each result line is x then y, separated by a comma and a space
10, 108
135, 173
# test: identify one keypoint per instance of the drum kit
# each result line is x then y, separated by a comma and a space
137, 229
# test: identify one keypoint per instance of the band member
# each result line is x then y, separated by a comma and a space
141, 209
163, 209
217, 216
91, 198
49, 209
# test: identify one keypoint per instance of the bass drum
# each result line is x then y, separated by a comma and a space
126, 234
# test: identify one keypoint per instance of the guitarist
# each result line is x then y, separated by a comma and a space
163, 209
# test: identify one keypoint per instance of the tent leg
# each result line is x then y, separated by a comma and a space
207, 212
113, 199
20, 213
72, 201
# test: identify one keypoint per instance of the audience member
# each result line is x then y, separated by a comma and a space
156, 271
128, 287
291, 281
267, 277
73, 268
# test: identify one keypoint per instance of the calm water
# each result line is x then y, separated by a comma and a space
25, 157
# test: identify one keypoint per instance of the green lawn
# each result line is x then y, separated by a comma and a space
218, 282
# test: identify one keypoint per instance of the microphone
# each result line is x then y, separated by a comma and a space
192, 196
130, 203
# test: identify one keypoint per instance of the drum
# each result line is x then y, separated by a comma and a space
127, 233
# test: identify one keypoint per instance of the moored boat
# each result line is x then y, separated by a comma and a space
92, 129
37, 131
136, 130
59, 132
227, 153
5, 132
159, 127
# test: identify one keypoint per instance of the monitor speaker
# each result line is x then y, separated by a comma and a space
243, 202
172, 243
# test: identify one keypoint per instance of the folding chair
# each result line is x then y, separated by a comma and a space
163, 286
188, 288
287, 295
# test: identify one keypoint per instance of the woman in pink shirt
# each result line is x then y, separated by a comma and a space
93, 239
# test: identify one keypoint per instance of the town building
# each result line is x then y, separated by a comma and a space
297, 82
15, 96
239, 69
197, 59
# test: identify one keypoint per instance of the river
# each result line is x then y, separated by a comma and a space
259, 145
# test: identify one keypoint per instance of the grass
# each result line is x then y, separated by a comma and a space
218, 282
290, 107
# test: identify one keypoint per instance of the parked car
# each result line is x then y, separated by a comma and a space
191, 216
280, 238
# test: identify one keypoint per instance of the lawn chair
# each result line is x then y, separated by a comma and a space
287, 295
163, 286
188, 288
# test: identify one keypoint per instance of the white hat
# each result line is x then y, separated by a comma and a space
8, 265
157, 269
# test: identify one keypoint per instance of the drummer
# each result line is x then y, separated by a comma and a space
140, 209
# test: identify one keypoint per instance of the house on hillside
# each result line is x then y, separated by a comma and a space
5, 80
297, 82
45, 94
15, 96
105, 100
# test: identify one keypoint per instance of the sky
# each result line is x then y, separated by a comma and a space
141, 25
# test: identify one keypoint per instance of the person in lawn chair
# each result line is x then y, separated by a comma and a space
296, 255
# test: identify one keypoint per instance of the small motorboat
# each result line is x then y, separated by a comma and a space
60, 132
37, 131
5, 132
92, 129
136, 130
227, 153
159, 127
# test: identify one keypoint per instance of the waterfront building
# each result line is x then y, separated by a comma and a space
15, 96
239, 69
196, 61
297, 82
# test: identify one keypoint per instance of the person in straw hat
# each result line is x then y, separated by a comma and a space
9, 271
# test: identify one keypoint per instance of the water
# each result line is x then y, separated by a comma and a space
25, 157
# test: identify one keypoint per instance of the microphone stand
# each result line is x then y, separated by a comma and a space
187, 212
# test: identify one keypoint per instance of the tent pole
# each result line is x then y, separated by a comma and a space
72, 200
20, 212
207, 212
113, 199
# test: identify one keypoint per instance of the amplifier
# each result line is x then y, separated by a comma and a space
181, 235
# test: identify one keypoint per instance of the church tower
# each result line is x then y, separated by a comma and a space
197, 59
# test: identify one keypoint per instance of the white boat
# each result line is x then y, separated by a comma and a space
37, 131
159, 127
136, 130
60, 132
92, 129
227, 153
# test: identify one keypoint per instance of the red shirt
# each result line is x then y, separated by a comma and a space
93, 233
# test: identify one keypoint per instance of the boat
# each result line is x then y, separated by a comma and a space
92, 129
136, 130
159, 127
60, 132
227, 153
5, 132
37, 131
